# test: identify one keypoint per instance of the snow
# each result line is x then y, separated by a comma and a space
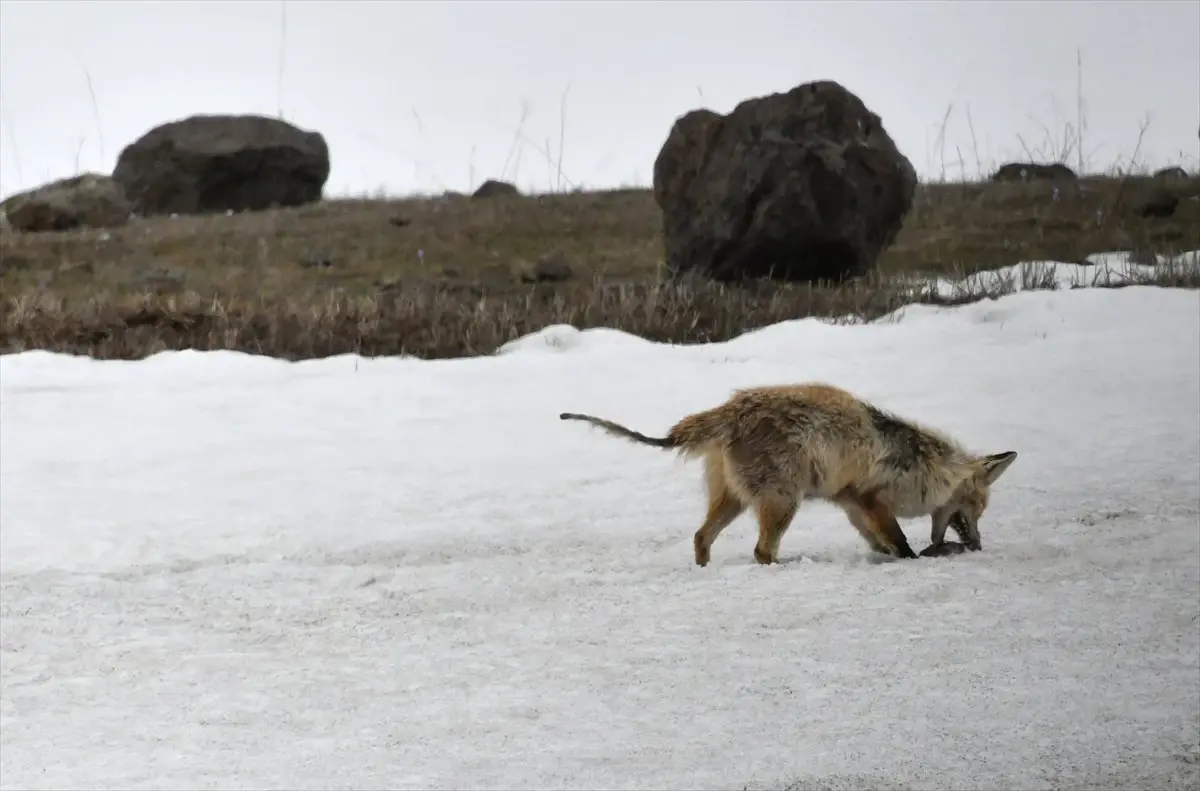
219, 570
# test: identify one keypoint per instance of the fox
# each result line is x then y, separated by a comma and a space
771, 447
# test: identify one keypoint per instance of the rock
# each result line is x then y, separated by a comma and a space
943, 549
1175, 173
159, 278
1032, 171
550, 268
494, 189
75, 268
1142, 255
799, 186
208, 164
86, 201
1156, 203
14, 262
319, 261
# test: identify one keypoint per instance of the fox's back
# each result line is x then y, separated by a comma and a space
819, 439
800, 414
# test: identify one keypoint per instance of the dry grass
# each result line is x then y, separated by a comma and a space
441, 277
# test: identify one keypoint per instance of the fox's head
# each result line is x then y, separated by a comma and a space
970, 500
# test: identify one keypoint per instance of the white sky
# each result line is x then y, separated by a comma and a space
417, 96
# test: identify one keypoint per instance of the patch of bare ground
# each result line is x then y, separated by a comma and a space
448, 276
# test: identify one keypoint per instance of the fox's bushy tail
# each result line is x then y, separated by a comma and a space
689, 436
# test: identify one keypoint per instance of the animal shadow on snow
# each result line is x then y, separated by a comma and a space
837, 557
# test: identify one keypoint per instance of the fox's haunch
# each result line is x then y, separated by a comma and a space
620, 431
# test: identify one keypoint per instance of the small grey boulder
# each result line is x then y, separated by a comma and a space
86, 201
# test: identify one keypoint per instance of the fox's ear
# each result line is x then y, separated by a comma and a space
993, 466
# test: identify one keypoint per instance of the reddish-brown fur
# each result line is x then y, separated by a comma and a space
769, 448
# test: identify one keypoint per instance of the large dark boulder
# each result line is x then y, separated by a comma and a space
85, 201
495, 189
217, 163
800, 186
1174, 173
1033, 171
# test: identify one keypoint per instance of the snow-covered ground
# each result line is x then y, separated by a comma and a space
220, 571
1101, 269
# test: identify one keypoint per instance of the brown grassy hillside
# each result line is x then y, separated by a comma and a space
447, 276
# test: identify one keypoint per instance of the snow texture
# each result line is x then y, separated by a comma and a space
224, 571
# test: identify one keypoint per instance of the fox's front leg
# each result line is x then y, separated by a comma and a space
861, 521
939, 521
882, 522
955, 520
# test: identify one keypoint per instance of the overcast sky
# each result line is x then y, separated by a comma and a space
416, 96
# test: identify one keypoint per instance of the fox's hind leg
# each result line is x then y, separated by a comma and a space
775, 514
724, 506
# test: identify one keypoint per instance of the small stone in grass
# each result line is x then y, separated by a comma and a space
943, 549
